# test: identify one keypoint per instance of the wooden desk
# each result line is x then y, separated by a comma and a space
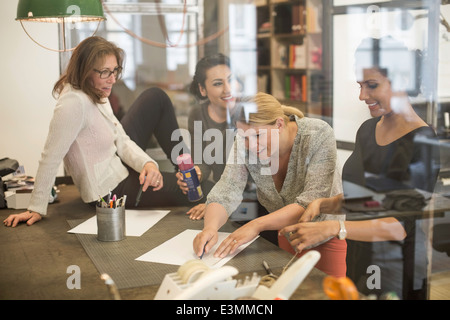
35, 259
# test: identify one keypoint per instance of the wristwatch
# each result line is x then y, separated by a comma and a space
342, 232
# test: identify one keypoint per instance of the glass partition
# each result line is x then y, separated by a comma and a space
328, 59
402, 42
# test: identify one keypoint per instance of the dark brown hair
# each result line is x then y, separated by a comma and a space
86, 57
202, 67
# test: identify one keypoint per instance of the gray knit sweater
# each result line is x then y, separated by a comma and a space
312, 172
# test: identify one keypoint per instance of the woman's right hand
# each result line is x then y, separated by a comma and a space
150, 176
204, 241
305, 234
29, 217
183, 185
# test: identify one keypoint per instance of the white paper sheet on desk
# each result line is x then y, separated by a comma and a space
136, 222
178, 250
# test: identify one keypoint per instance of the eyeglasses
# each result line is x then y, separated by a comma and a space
105, 74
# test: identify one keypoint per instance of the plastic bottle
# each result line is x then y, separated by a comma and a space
186, 167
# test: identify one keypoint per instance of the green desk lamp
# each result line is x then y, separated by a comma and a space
60, 11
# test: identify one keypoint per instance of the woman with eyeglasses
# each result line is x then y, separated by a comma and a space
101, 154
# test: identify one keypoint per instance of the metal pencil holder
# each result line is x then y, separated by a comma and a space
111, 223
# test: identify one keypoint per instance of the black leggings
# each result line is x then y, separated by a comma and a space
152, 114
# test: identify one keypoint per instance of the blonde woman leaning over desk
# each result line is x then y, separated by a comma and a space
292, 160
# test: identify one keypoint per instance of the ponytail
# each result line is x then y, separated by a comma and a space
263, 109
291, 111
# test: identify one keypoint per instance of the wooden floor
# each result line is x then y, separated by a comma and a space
440, 274
440, 286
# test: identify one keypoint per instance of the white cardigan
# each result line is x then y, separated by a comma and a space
92, 143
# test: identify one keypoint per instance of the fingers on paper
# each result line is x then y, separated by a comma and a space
203, 242
228, 246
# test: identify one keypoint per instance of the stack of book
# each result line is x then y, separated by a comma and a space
291, 56
295, 87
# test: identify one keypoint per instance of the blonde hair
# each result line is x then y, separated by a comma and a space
268, 110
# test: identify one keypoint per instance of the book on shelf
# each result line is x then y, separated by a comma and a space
280, 55
264, 28
298, 19
291, 56
282, 19
290, 18
316, 87
295, 87
297, 56
314, 16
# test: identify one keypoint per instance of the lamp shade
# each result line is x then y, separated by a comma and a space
60, 10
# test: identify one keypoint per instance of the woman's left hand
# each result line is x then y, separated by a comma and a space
239, 237
305, 234
151, 177
197, 212
311, 211
28, 216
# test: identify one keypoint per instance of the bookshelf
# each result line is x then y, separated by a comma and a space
289, 45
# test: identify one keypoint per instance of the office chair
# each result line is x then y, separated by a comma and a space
441, 238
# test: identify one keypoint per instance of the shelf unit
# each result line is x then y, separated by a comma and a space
289, 46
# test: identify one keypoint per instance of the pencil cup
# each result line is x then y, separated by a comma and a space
111, 223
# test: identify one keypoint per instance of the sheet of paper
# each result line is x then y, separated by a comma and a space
178, 250
136, 222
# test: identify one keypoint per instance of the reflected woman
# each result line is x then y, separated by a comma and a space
387, 153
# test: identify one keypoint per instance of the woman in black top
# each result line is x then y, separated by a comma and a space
387, 156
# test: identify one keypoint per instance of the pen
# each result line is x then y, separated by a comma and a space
100, 201
203, 250
138, 198
266, 266
114, 202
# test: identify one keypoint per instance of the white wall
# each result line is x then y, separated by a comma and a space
28, 73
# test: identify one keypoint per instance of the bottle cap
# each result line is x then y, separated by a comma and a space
184, 162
